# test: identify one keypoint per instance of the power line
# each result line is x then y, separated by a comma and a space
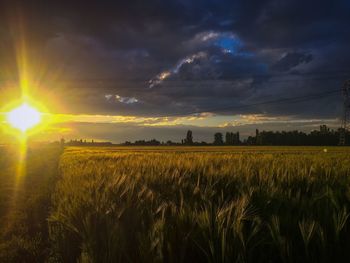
282, 100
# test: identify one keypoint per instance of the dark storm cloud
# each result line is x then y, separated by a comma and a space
178, 57
291, 60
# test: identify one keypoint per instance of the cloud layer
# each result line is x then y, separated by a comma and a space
170, 58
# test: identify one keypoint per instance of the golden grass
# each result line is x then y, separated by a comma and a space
202, 204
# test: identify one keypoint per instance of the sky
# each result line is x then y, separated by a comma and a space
128, 70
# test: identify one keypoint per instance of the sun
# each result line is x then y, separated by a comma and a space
24, 117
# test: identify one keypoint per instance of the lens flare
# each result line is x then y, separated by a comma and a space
23, 117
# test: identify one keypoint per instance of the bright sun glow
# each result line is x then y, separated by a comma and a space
23, 117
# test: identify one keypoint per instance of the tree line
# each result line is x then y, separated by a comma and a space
323, 136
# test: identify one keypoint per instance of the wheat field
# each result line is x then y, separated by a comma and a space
175, 204
201, 204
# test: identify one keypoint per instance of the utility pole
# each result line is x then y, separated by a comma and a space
346, 114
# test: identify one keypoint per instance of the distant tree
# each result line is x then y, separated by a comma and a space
324, 129
236, 139
62, 142
250, 140
152, 142
232, 138
218, 138
229, 138
258, 138
189, 138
